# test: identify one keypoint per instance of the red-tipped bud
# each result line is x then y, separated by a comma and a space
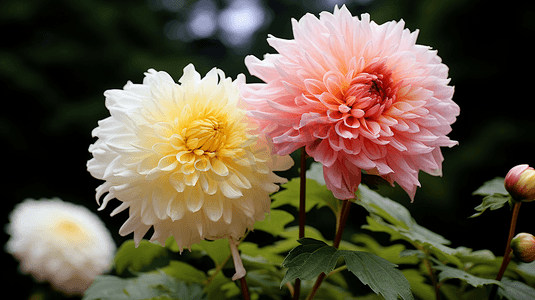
523, 245
520, 183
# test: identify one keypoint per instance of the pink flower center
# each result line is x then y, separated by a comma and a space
356, 96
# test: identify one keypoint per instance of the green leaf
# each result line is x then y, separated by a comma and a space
154, 285
393, 218
106, 287
313, 257
419, 287
449, 273
390, 253
475, 257
516, 290
417, 235
266, 255
330, 291
151, 285
494, 186
217, 250
184, 272
290, 235
275, 222
490, 268
492, 202
455, 292
393, 212
135, 259
527, 271
496, 196
316, 195
262, 282
221, 287
171, 244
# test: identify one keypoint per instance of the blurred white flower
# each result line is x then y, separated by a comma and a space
59, 242
184, 158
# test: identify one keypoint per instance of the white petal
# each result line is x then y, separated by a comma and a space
213, 207
176, 208
219, 167
177, 181
227, 212
194, 198
229, 190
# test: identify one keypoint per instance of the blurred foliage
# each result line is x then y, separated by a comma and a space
57, 57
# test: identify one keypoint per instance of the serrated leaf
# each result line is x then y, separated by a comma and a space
455, 292
267, 254
449, 273
493, 186
416, 235
492, 202
154, 285
184, 272
221, 287
489, 269
516, 290
419, 287
275, 222
128, 256
391, 253
313, 257
265, 283
398, 217
329, 291
290, 235
466, 255
163, 285
527, 271
393, 218
106, 287
217, 250
391, 211
316, 195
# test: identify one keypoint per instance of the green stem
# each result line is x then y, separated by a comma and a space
506, 256
431, 274
302, 212
344, 213
339, 269
217, 270
302, 193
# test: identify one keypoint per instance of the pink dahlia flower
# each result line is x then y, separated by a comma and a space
359, 96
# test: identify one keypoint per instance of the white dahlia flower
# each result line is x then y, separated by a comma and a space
59, 242
184, 158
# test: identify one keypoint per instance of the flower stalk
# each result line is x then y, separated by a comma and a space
244, 289
507, 254
238, 265
432, 274
302, 212
342, 219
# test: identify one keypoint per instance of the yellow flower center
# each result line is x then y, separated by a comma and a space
205, 135
70, 230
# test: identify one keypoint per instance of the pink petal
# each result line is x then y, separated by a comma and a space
322, 152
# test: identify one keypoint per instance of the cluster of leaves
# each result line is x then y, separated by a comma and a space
418, 264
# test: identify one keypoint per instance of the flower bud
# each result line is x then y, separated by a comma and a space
523, 245
520, 183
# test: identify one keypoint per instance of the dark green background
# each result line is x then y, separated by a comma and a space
58, 57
